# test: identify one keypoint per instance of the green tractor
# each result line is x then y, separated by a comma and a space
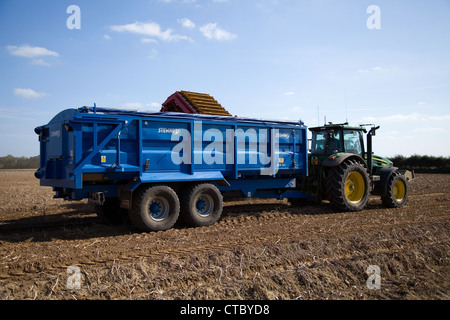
342, 171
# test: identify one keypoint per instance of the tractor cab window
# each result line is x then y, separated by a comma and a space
318, 143
353, 141
326, 142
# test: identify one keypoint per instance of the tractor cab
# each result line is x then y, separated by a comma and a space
333, 143
337, 138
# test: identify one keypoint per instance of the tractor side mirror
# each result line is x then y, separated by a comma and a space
373, 130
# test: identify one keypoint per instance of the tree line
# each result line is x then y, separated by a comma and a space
11, 162
420, 164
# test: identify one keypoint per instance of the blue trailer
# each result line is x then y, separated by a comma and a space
164, 166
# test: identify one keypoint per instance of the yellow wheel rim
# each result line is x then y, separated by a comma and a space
354, 187
399, 190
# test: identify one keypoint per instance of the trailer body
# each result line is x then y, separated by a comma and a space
107, 153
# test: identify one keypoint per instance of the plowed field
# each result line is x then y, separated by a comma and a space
259, 249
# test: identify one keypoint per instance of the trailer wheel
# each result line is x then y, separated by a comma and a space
155, 209
347, 186
110, 212
201, 205
396, 191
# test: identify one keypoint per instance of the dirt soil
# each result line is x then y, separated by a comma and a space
260, 249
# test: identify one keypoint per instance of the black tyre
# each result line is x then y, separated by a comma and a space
396, 191
347, 186
110, 212
299, 202
201, 205
155, 209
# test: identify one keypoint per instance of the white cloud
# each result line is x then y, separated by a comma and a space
148, 40
107, 37
430, 130
34, 53
28, 93
187, 23
150, 29
40, 62
296, 109
289, 93
412, 117
212, 31
154, 105
139, 106
28, 51
133, 105
376, 68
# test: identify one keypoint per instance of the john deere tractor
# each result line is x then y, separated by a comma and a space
345, 171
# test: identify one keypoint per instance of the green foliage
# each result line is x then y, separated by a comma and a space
422, 164
11, 162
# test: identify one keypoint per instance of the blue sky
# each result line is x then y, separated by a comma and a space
271, 59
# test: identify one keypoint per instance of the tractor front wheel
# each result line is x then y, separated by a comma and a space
396, 191
347, 186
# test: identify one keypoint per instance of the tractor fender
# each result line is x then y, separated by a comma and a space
380, 187
334, 161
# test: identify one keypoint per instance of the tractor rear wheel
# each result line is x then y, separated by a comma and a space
347, 186
396, 191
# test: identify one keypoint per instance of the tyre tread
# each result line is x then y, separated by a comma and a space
335, 186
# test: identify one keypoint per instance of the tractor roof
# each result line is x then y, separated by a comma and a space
337, 126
